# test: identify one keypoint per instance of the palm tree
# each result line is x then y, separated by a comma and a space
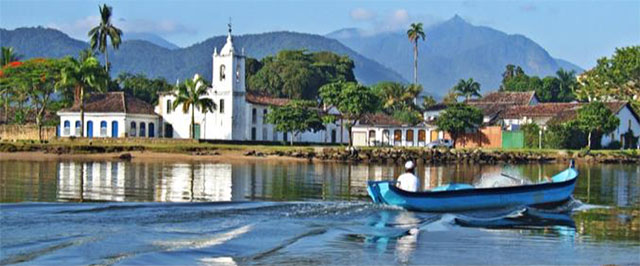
82, 75
9, 55
396, 96
191, 94
467, 88
415, 33
105, 30
568, 83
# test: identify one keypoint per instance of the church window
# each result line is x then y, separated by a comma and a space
222, 69
222, 106
67, 128
264, 116
254, 118
132, 129
237, 75
169, 107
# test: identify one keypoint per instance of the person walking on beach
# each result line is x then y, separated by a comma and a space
408, 181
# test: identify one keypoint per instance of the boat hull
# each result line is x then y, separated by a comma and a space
385, 192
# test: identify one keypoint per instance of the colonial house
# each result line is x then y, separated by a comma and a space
110, 115
495, 103
547, 113
240, 115
382, 130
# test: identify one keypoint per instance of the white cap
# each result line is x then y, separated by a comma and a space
409, 165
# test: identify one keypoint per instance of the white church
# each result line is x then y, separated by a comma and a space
239, 116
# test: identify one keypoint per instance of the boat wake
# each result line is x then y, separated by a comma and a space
245, 232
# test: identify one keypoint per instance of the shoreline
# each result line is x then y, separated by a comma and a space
166, 150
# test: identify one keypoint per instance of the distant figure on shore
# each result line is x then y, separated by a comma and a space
408, 181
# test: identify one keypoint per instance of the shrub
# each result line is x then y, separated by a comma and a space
614, 145
531, 135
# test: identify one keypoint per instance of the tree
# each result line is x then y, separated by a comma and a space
191, 94
142, 87
296, 117
428, 102
616, 78
396, 96
567, 84
415, 33
351, 99
467, 88
41, 78
104, 32
297, 74
450, 98
595, 117
9, 55
83, 76
457, 119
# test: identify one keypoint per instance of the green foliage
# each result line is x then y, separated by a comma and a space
142, 87
415, 33
614, 78
630, 140
351, 99
614, 145
596, 118
297, 117
99, 35
557, 88
191, 94
407, 116
458, 118
531, 135
467, 88
396, 97
563, 136
298, 74
8, 55
428, 102
38, 79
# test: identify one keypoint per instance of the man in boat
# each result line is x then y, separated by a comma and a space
408, 181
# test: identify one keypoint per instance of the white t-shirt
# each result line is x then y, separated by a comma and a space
408, 182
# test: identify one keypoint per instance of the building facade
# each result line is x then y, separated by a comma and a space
240, 115
110, 115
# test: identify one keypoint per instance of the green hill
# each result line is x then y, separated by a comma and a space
138, 56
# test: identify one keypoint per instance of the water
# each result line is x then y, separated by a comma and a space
275, 212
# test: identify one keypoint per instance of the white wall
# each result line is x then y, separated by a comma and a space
627, 120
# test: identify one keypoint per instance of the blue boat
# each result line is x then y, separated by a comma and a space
461, 197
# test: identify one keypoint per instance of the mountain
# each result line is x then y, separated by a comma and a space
454, 49
150, 37
141, 56
569, 66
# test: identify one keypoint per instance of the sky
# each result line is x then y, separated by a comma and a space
578, 31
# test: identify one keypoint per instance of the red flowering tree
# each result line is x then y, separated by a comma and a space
35, 80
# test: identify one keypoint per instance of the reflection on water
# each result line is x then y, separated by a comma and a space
300, 213
615, 185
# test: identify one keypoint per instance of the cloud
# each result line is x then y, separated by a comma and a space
528, 8
80, 27
361, 14
389, 21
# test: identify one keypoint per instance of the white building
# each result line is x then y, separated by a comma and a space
240, 115
110, 115
382, 130
544, 114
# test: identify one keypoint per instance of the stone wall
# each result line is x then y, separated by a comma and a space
26, 132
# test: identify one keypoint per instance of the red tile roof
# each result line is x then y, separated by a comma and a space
265, 100
539, 110
114, 102
502, 97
